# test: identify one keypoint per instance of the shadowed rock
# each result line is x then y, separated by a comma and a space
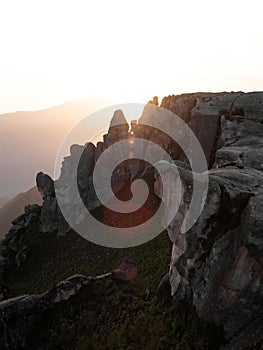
217, 265
118, 124
32, 326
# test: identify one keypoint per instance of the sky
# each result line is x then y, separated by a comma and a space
128, 51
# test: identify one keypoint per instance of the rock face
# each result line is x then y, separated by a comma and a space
13, 249
217, 265
51, 219
234, 113
118, 126
39, 312
48, 218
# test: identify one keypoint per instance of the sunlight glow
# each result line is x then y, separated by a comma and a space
55, 51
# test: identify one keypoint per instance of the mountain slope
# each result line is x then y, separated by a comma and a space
15, 207
29, 141
3, 200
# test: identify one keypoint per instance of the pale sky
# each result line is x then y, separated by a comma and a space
53, 51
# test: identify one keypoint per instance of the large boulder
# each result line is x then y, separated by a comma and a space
49, 212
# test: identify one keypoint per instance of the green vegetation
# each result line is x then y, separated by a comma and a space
51, 259
110, 314
155, 324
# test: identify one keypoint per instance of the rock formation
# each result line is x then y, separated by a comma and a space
35, 309
13, 249
15, 207
216, 266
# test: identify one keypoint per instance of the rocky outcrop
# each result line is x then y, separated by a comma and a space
50, 220
181, 105
15, 207
13, 248
72, 305
234, 113
217, 264
240, 139
118, 127
36, 315
154, 101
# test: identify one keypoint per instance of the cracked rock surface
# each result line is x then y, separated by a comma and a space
218, 264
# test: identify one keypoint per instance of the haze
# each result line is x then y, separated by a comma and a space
29, 142
119, 51
55, 51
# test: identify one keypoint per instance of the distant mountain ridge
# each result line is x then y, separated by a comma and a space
29, 141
